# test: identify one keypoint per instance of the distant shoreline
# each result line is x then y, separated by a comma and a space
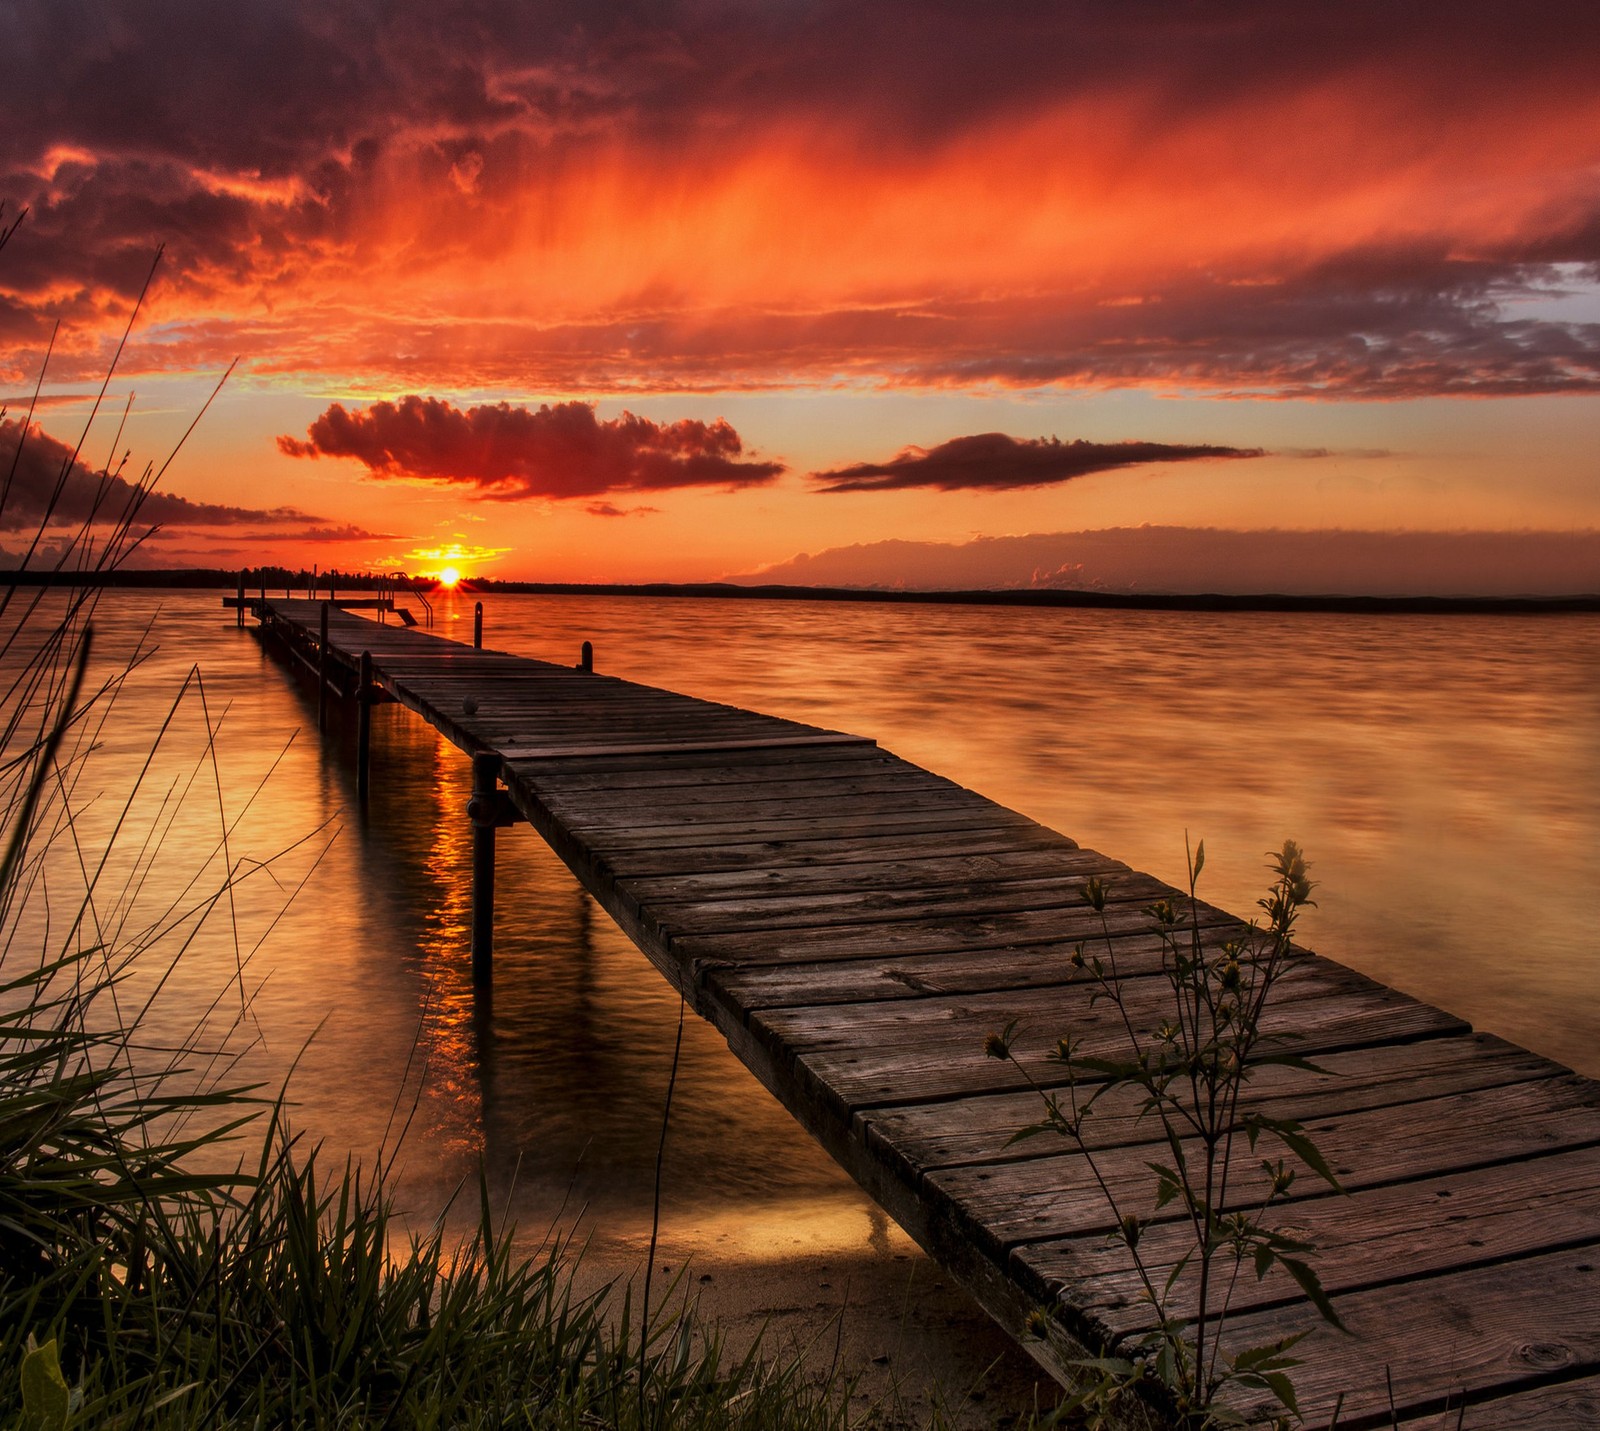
277, 579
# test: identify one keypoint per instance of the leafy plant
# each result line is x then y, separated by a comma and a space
1189, 1074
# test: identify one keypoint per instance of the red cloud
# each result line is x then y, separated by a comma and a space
1290, 200
994, 461
558, 450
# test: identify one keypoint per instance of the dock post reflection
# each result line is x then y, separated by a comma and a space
483, 811
364, 730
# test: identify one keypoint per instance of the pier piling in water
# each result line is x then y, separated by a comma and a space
586, 657
322, 671
477, 626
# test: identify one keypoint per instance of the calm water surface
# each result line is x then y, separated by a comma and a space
1441, 772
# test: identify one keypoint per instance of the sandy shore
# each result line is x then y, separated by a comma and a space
873, 1306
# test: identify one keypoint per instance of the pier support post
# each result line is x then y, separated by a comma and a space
586, 657
483, 809
241, 596
364, 729
477, 626
322, 671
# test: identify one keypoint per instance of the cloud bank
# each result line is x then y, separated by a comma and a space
993, 461
1367, 200
1197, 561
556, 451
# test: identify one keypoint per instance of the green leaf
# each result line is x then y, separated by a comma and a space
46, 1399
1298, 1143
1283, 1389
1311, 1285
1269, 1356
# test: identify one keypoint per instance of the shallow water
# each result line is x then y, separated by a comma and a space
1439, 770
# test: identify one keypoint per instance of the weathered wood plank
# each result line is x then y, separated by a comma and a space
654, 802
1045, 1199
1374, 1237
617, 776
755, 985
927, 872
927, 805
1065, 925
875, 903
979, 1129
915, 1050
600, 747
1484, 1332
1572, 1405
823, 851
799, 828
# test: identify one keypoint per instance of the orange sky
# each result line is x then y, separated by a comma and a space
1258, 267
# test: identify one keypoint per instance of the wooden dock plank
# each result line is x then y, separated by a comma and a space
1005, 1204
979, 1129
1568, 1405
1482, 1332
855, 926
755, 985
873, 1061
1371, 1238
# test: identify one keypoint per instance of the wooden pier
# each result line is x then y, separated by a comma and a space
855, 925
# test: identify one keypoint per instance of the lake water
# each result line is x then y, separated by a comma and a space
1440, 771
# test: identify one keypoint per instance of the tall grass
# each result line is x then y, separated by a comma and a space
147, 1276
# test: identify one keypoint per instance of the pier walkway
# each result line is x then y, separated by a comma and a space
855, 926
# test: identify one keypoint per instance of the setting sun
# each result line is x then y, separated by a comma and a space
449, 576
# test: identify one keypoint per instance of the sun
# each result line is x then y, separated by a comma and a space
449, 576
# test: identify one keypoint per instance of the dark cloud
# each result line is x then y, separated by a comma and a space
1358, 454
1387, 324
557, 450
296, 77
348, 532
610, 509
46, 484
305, 151
1382, 323
993, 461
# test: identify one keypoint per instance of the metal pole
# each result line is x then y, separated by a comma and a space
322, 672
481, 809
586, 656
477, 625
364, 730
241, 596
